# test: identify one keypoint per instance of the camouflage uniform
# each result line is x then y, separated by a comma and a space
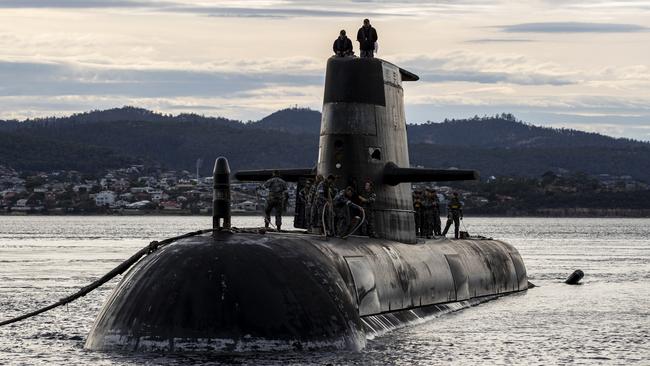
277, 188
324, 194
312, 205
427, 216
341, 213
417, 207
455, 214
368, 205
302, 206
437, 225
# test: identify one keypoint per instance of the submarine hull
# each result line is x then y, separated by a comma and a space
235, 292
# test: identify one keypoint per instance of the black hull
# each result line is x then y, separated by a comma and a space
254, 292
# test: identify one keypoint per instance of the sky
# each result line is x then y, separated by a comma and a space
558, 63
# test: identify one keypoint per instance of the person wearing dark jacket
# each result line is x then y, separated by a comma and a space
367, 37
454, 214
343, 45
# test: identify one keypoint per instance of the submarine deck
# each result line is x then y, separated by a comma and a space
384, 275
229, 287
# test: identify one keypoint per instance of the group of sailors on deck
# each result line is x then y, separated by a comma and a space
321, 208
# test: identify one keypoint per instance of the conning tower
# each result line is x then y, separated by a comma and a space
363, 138
362, 129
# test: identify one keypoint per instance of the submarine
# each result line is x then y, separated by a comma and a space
250, 289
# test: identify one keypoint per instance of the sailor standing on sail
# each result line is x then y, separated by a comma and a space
367, 37
277, 188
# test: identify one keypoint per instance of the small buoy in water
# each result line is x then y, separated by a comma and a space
575, 277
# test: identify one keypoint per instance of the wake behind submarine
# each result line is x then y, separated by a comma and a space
251, 290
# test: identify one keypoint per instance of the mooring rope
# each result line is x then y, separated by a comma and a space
153, 246
363, 218
331, 215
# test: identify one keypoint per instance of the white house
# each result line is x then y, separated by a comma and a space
105, 198
157, 195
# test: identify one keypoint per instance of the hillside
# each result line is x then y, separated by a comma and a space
497, 145
504, 131
294, 120
29, 152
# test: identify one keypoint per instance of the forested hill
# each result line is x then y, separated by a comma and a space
296, 120
124, 114
498, 145
505, 131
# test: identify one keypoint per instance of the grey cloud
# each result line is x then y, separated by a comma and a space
270, 12
24, 79
79, 3
486, 77
500, 40
294, 10
601, 4
461, 66
573, 27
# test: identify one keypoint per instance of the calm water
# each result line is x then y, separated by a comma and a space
604, 321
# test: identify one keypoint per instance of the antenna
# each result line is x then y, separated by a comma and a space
199, 162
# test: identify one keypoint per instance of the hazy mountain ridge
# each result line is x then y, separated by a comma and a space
506, 131
123, 114
497, 145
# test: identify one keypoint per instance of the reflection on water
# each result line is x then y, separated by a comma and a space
605, 320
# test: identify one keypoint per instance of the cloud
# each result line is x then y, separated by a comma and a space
500, 40
32, 4
273, 10
486, 69
573, 27
599, 4
494, 77
51, 79
280, 12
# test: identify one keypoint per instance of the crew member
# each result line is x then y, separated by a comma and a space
368, 198
367, 37
455, 214
314, 220
343, 45
343, 213
324, 196
302, 205
277, 188
417, 208
437, 225
427, 214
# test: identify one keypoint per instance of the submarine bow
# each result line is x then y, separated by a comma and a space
228, 293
